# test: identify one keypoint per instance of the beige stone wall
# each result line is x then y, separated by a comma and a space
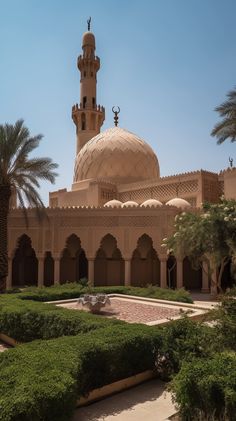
91, 225
229, 180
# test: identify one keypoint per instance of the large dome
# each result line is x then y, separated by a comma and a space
116, 155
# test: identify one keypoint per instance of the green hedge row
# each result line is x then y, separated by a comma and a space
26, 320
74, 290
206, 389
43, 379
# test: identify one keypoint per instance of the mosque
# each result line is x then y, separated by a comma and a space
109, 227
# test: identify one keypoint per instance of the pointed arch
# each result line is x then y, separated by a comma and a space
83, 119
25, 263
48, 269
192, 278
73, 262
171, 272
228, 276
109, 263
145, 265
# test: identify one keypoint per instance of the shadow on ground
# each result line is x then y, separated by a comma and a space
148, 400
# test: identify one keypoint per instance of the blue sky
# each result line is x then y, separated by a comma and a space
166, 63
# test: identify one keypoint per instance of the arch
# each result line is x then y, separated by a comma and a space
93, 121
109, 265
228, 276
25, 263
48, 269
83, 121
171, 272
192, 278
73, 262
145, 265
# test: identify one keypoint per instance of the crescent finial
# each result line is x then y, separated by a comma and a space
116, 112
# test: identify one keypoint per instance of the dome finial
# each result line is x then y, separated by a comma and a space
231, 161
116, 118
89, 23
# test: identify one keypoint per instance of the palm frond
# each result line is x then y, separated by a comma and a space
226, 128
17, 169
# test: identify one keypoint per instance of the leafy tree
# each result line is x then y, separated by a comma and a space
225, 315
227, 127
19, 175
208, 236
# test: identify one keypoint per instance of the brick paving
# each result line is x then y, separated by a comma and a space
132, 311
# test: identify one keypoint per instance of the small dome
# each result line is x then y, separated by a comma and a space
151, 203
179, 203
116, 155
88, 39
129, 204
113, 204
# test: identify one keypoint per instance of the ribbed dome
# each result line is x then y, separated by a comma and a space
179, 203
151, 203
130, 204
116, 155
113, 204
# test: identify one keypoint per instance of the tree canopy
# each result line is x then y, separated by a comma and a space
19, 175
207, 236
226, 128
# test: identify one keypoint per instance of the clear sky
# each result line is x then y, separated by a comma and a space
166, 63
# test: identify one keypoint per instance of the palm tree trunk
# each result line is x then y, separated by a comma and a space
5, 194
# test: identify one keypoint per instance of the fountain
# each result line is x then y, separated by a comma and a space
94, 302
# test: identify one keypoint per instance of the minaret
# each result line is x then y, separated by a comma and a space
88, 116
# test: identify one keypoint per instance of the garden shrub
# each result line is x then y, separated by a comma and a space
43, 379
226, 322
25, 320
184, 340
205, 389
74, 290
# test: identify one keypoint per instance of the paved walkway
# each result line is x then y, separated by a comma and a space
146, 402
204, 300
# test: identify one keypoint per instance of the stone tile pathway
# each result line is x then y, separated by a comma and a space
148, 401
133, 311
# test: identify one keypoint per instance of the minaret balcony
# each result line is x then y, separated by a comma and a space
78, 110
80, 107
84, 61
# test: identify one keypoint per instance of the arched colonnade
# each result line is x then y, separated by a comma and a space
108, 266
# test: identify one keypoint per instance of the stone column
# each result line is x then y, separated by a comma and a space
205, 277
163, 281
9, 276
40, 271
56, 269
91, 271
127, 272
179, 273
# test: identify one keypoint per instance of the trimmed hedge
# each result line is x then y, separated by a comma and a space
43, 379
74, 290
26, 321
206, 389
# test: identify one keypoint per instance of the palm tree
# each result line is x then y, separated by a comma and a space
19, 175
227, 127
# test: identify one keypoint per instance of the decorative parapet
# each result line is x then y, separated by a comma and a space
79, 107
84, 61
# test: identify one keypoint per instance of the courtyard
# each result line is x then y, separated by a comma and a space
118, 283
